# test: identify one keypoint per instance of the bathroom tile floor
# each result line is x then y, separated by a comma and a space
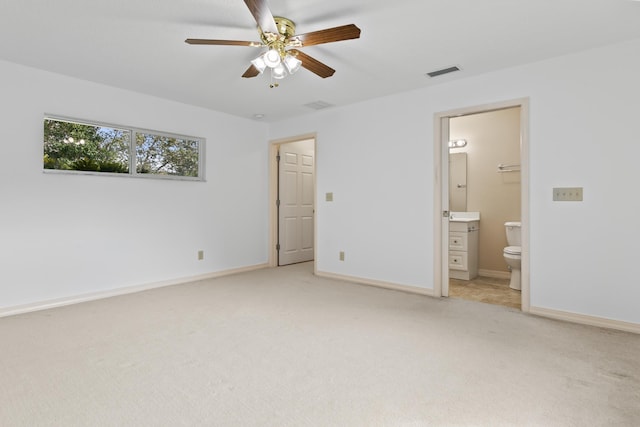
485, 289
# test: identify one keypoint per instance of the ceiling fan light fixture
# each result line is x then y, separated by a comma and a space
259, 63
279, 72
277, 34
292, 63
272, 58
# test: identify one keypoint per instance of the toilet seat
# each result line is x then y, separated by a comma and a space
513, 250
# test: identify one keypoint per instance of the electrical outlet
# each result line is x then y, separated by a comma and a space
329, 197
200, 255
341, 255
567, 194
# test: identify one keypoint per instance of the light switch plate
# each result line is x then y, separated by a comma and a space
329, 197
567, 194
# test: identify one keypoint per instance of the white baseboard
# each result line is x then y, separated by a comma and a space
377, 283
43, 305
586, 320
495, 274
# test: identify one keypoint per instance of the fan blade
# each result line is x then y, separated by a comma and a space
263, 16
223, 42
345, 32
251, 72
313, 65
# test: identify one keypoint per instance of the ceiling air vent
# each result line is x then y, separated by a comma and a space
443, 71
318, 105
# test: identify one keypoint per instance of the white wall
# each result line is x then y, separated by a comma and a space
65, 235
377, 159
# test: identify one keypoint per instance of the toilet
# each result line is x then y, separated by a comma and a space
512, 253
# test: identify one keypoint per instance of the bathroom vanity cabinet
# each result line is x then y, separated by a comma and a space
463, 248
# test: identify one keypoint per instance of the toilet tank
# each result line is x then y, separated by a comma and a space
513, 233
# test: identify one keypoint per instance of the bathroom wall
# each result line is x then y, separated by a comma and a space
493, 138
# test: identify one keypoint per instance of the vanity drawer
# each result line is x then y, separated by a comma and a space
458, 241
458, 260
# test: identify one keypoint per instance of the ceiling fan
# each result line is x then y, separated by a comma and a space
277, 34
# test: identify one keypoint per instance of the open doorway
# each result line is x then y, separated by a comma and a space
475, 264
292, 165
484, 182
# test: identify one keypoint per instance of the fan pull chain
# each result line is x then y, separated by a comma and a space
273, 83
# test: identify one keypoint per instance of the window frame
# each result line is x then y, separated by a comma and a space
133, 131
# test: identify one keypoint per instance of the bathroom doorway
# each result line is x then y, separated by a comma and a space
483, 174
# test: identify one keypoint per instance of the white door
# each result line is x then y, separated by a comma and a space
296, 210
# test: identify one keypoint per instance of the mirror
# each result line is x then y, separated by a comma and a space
458, 182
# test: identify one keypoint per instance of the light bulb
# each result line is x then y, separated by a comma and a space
259, 64
279, 72
272, 58
292, 63
459, 143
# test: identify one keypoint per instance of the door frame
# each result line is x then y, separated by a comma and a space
441, 192
274, 146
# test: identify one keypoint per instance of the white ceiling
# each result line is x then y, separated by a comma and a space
139, 44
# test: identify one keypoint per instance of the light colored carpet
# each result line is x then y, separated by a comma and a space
280, 347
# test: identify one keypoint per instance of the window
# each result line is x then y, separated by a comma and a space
83, 147
71, 145
166, 155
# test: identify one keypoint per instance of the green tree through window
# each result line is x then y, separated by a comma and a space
165, 155
75, 146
